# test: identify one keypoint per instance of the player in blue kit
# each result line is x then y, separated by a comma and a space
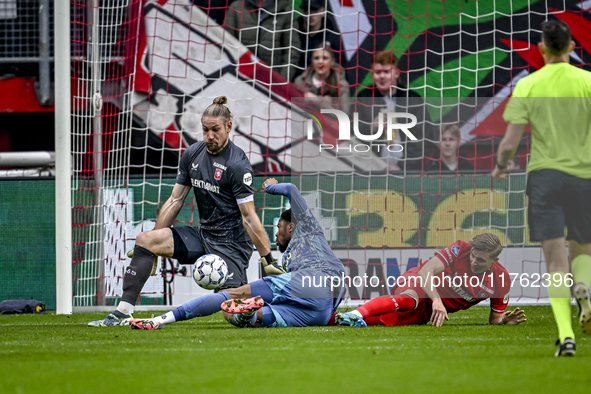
298, 293
221, 178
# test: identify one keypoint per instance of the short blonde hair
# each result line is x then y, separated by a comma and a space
488, 243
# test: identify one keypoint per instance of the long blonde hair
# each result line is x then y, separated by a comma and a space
332, 83
218, 109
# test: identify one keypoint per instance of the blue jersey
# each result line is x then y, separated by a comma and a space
308, 247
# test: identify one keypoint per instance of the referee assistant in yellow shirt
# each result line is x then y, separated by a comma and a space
556, 102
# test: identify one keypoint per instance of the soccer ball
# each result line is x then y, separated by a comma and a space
210, 271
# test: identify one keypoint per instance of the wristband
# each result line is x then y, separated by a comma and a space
268, 259
500, 166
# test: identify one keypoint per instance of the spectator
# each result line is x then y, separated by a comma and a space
514, 163
448, 153
387, 94
316, 29
264, 27
326, 81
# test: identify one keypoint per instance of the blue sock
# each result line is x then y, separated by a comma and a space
268, 316
203, 306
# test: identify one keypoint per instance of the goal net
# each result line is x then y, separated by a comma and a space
144, 71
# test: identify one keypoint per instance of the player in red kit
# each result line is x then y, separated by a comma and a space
457, 277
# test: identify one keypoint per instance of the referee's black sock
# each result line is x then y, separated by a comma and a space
136, 274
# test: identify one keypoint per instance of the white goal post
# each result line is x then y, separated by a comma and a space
63, 184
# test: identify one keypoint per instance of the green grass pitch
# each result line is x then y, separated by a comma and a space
60, 354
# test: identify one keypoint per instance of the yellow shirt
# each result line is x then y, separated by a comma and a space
556, 101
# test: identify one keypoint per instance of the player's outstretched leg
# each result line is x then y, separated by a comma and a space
568, 347
203, 306
377, 307
244, 305
581, 293
351, 319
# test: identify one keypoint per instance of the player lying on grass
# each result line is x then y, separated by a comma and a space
458, 277
297, 293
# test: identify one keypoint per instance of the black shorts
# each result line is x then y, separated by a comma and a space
558, 200
190, 244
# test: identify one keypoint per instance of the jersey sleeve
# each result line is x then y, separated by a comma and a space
516, 110
183, 177
298, 204
499, 304
306, 222
453, 253
242, 182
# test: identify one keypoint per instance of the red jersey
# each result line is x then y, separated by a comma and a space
459, 288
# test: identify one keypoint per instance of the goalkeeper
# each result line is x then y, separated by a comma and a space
221, 178
556, 102
298, 292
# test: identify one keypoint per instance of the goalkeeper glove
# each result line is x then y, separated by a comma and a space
154, 262
270, 265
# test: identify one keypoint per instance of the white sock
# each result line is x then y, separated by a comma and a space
355, 312
125, 308
165, 319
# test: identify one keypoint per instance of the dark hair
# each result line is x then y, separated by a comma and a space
288, 217
332, 83
556, 37
218, 109
488, 243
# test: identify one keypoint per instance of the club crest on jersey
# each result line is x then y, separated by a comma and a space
218, 174
455, 250
482, 295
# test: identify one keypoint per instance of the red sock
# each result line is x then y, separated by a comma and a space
373, 321
386, 304
331, 321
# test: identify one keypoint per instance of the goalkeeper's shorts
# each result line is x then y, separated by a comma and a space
190, 244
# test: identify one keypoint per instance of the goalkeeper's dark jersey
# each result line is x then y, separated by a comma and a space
220, 182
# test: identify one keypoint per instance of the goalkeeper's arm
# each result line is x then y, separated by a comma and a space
271, 267
257, 234
298, 204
